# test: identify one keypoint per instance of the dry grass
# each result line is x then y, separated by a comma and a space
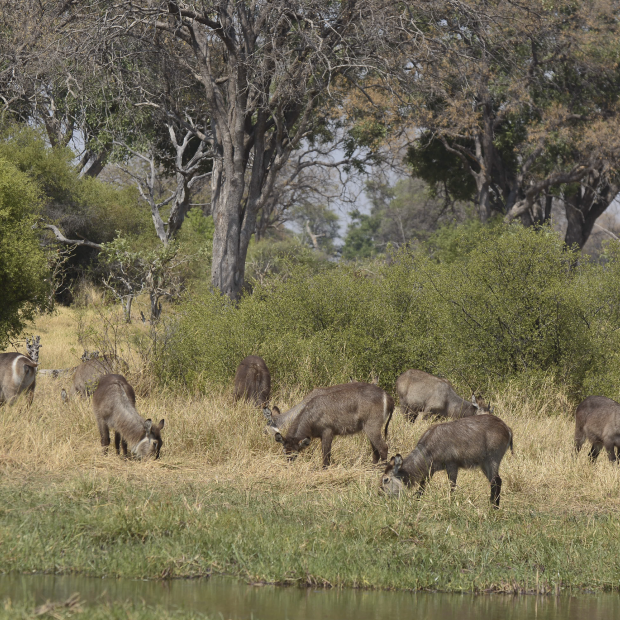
211, 438
210, 443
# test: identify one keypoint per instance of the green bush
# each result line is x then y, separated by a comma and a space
23, 266
312, 329
511, 303
514, 304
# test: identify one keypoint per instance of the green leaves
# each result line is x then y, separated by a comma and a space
503, 303
23, 266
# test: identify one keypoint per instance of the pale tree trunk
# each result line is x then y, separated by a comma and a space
225, 208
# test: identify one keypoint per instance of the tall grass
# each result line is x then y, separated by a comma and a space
223, 499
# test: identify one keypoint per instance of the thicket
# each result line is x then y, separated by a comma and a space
24, 270
510, 303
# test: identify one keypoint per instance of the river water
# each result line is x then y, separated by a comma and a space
230, 599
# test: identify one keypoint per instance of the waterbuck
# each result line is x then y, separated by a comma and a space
17, 375
338, 410
420, 392
88, 373
253, 381
479, 441
114, 403
597, 419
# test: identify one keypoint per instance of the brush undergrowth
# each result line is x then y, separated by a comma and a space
222, 499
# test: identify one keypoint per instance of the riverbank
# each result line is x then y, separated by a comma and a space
225, 598
222, 500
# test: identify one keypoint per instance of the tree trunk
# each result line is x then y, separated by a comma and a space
584, 207
228, 266
580, 217
93, 163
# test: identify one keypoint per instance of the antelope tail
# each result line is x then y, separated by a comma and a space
386, 401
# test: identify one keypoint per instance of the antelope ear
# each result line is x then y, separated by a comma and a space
474, 402
397, 461
491, 409
276, 410
161, 424
278, 437
304, 443
147, 425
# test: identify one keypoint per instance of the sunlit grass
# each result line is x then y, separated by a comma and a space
222, 498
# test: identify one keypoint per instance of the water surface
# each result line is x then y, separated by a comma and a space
234, 600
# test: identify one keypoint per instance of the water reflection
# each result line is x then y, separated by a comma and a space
231, 599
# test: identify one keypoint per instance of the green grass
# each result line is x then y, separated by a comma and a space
346, 536
223, 500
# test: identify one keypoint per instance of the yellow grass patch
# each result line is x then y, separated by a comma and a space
210, 438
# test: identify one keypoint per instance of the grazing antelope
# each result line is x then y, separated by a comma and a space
88, 373
419, 392
597, 419
17, 375
338, 410
479, 441
114, 404
253, 381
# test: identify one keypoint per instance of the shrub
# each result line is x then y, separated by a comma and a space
511, 303
312, 329
23, 265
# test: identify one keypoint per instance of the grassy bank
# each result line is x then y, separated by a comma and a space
222, 499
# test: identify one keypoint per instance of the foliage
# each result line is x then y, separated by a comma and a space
195, 240
490, 306
319, 225
80, 205
129, 271
361, 238
513, 305
519, 104
83, 207
312, 329
23, 265
278, 258
407, 212
451, 242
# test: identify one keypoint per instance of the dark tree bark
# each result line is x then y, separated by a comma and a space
585, 206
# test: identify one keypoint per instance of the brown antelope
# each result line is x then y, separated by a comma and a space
88, 373
479, 441
114, 403
253, 381
419, 392
17, 375
597, 419
338, 410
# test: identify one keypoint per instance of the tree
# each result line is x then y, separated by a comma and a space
524, 101
407, 212
271, 74
318, 225
45, 81
81, 212
23, 266
361, 237
130, 271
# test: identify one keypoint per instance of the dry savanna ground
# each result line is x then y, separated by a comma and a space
223, 499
